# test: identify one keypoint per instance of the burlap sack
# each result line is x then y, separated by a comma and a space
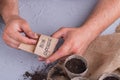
103, 55
115, 74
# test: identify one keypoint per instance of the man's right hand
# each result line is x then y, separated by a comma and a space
13, 29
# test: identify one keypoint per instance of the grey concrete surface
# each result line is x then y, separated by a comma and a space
44, 16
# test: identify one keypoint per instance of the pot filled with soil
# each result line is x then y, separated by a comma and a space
79, 78
110, 77
75, 66
57, 73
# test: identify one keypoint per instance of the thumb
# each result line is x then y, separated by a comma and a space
59, 34
63, 51
29, 32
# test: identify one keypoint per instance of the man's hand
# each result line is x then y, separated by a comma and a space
76, 40
15, 25
12, 33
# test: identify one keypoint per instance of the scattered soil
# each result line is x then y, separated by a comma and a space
76, 66
38, 74
35, 76
111, 78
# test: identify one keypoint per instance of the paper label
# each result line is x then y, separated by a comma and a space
45, 46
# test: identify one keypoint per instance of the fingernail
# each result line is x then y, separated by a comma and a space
36, 36
31, 33
34, 41
47, 61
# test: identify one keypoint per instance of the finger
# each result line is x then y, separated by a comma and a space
41, 59
63, 51
11, 42
60, 33
64, 58
28, 31
22, 39
35, 35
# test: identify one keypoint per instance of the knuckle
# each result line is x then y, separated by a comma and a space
24, 23
15, 21
24, 40
17, 45
8, 31
76, 49
62, 28
64, 49
4, 37
12, 45
61, 55
21, 39
27, 41
8, 43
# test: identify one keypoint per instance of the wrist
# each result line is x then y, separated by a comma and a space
8, 8
91, 32
10, 18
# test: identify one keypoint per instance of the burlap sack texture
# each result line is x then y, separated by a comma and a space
103, 56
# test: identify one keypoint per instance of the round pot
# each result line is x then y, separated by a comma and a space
75, 66
110, 77
79, 78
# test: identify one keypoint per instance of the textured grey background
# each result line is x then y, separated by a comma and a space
44, 16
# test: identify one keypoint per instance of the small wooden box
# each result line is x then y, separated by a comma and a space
44, 47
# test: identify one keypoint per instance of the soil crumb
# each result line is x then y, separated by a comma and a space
35, 76
76, 66
38, 74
